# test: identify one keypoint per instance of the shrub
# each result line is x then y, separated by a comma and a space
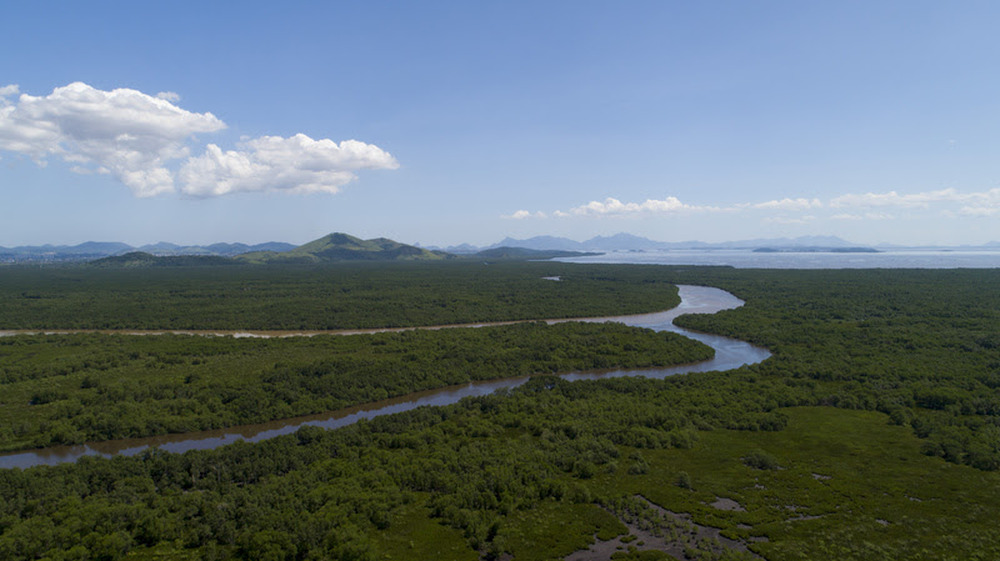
758, 459
683, 480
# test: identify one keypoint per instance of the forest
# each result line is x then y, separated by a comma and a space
321, 297
871, 433
68, 389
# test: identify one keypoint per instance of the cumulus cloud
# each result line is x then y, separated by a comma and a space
297, 164
125, 132
142, 140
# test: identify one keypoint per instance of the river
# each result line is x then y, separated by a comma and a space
729, 354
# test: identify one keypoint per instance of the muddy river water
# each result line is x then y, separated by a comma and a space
729, 354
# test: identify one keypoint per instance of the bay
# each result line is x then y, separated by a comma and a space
748, 259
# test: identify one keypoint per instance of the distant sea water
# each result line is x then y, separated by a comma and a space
746, 259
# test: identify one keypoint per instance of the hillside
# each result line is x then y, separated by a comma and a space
142, 259
344, 247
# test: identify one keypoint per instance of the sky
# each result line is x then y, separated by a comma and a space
442, 123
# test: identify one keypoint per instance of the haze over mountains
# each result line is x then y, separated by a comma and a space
343, 247
95, 250
629, 242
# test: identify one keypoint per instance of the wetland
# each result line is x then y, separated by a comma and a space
870, 432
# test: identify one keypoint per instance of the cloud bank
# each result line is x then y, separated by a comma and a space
866, 206
613, 207
144, 142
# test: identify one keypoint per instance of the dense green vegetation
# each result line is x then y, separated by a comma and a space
64, 389
360, 295
142, 259
920, 346
529, 472
870, 434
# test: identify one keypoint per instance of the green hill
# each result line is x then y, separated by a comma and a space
142, 259
343, 247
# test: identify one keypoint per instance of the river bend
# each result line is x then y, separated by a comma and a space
729, 354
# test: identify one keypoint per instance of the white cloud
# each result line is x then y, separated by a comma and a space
129, 133
87, 171
788, 220
522, 214
518, 215
7, 91
974, 204
893, 198
986, 203
787, 204
613, 207
142, 139
865, 216
867, 206
672, 205
989, 198
979, 210
297, 164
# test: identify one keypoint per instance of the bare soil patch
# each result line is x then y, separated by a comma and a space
656, 528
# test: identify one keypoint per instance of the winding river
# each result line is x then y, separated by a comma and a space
729, 354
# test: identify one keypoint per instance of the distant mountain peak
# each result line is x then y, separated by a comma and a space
629, 242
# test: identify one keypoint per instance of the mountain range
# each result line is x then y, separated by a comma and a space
343, 247
95, 250
629, 242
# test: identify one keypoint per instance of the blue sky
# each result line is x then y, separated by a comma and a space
442, 123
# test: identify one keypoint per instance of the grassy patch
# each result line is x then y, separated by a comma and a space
852, 487
556, 529
415, 535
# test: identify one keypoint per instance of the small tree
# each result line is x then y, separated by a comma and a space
758, 459
683, 480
